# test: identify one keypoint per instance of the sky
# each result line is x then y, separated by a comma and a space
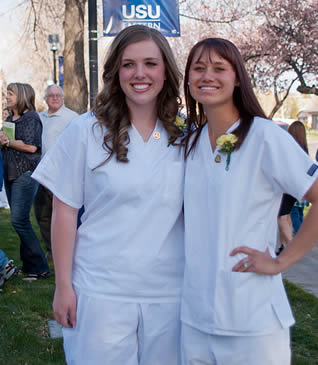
10, 33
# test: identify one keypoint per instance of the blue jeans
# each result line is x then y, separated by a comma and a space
3, 260
20, 194
297, 215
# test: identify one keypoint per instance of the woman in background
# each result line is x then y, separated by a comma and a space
290, 205
20, 157
6, 113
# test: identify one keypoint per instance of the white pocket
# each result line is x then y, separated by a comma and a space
242, 301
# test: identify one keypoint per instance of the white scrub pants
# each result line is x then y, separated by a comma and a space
199, 348
119, 333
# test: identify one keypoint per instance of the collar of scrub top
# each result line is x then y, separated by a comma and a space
233, 126
156, 134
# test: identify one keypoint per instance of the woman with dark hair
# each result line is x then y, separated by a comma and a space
289, 204
234, 308
298, 131
118, 278
6, 113
20, 157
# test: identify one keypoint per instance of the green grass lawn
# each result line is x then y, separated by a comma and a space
25, 308
312, 135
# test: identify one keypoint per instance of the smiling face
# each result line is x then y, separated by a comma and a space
142, 73
212, 79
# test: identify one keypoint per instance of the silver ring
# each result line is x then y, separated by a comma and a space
245, 265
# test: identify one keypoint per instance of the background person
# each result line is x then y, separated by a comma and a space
20, 158
6, 113
3, 197
289, 204
7, 269
234, 307
54, 121
119, 276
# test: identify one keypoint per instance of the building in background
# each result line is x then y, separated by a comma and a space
309, 117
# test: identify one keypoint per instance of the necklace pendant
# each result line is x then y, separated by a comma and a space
156, 135
217, 158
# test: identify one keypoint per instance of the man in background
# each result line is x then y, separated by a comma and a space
54, 121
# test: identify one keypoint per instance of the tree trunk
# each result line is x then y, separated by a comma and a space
75, 83
279, 102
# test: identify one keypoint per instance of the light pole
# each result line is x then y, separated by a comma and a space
54, 46
93, 58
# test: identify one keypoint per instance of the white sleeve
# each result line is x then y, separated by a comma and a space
289, 169
62, 169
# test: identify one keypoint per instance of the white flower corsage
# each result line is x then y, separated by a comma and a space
226, 144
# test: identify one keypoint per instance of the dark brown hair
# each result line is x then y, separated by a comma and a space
298, 131
111, 109
243, 96
25, 96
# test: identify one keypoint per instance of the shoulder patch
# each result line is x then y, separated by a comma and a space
312, 169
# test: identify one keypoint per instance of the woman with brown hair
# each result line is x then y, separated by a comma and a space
298, 131
234, 307
6, 113
118, 278
289, 204
20, 157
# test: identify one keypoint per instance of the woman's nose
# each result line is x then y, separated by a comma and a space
140, 71
208, 74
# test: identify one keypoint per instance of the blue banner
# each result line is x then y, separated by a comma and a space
61, 71
162, 15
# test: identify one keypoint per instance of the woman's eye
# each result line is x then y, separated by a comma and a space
127, 65
151, 64
219, 69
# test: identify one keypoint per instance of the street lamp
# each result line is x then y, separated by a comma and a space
54, 46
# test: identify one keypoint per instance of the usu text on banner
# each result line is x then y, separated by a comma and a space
162, 15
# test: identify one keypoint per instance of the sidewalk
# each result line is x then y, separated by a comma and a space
305, 272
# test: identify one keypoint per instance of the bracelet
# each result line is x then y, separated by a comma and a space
8, 143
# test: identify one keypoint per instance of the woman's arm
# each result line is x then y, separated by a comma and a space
63, 231
285, 228
21, 146
305, 239
16, 144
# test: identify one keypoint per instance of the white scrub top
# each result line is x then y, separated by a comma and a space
226, 209
130, 244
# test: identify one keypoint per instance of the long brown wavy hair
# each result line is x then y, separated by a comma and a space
298, 131
243, 96
111, 109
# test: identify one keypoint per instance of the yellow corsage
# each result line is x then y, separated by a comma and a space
181, 123
226, 144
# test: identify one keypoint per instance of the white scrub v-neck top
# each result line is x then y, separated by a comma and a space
225, 209
130, 246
